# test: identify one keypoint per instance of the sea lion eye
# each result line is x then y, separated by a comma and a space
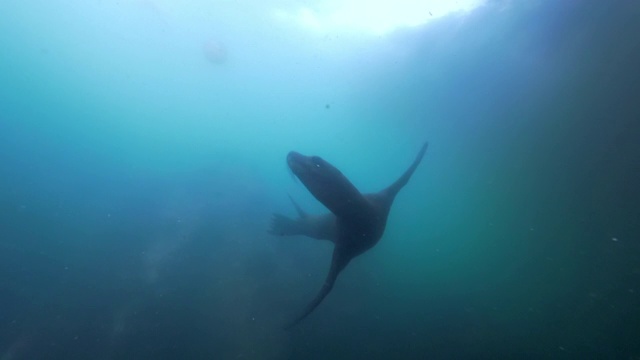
316, 161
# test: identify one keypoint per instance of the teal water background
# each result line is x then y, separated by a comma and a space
138, 177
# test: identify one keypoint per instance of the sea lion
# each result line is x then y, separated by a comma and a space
356, 221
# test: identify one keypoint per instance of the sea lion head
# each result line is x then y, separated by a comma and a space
325, 182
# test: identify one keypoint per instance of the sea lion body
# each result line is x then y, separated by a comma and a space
356, 222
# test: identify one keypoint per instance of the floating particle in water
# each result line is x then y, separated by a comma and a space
214, 51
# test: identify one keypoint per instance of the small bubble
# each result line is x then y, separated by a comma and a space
614, 239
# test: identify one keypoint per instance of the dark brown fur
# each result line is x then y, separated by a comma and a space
356, 222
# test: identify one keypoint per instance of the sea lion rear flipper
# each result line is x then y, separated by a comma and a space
301, 213
284, 226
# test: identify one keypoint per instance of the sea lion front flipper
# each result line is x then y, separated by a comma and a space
338, 262
393, 189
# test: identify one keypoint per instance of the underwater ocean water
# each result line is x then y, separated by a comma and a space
142, 155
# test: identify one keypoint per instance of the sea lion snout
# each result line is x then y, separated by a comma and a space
294, 161
293, 156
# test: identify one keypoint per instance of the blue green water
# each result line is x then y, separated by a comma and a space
139, 172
